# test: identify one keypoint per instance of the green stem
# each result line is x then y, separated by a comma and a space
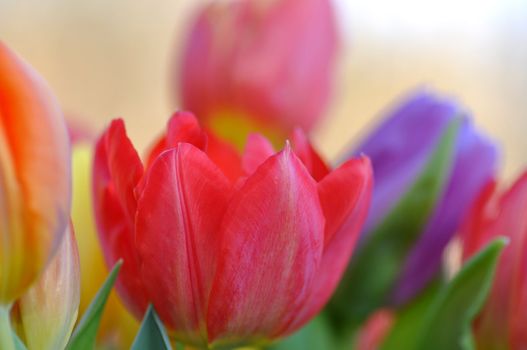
6, 335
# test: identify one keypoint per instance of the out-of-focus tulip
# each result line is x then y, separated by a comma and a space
399, 148
48, 310
259, 65
374, 330
502, 323
229, 250
118, 327
34, 176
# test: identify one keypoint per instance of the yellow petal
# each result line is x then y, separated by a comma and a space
118, 327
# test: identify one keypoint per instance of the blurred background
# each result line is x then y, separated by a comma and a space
106, 59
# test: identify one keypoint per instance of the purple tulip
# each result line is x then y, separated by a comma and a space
399, 148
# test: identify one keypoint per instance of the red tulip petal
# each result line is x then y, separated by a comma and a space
272, 246
34, 175
343, 191
178, 216
345, 197
474, 232
116, 170
503, 319
124, 165
181, 127
157, 147
314, 164
257, 150
184, 127
225, 156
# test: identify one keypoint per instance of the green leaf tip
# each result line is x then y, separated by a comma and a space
85, 333
444, 321
152, 334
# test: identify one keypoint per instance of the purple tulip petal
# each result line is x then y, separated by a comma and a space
400, 147
475, 164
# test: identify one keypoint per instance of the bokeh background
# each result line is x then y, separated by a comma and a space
113, 58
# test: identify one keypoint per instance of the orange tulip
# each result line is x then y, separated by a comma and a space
34, 176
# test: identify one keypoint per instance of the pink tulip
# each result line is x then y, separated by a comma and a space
268, 65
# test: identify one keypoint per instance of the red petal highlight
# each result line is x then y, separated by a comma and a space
34, 175
116, 171
345, 196
183, 202
272, 246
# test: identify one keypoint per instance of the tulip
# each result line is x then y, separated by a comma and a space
374, 330
502, 324
230, 250
34, 176
398, 149
118, 327
259, 65
48, 311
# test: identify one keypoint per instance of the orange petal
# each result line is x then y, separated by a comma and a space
34, 175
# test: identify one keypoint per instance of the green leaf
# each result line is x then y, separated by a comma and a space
445, 323
84, 336
152, 334
410, 319
19, 345
454, 309
314, 336
375, 266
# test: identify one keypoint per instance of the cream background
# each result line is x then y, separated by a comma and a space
106, 59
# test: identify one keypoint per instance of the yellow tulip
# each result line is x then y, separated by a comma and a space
118, 327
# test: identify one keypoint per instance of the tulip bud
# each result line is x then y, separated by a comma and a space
34, 176
260, 65
502, 324
399, 148
228, 257
429, 164
48, 310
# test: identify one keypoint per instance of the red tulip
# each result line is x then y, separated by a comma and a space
266, 64
502, 323
229, 249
